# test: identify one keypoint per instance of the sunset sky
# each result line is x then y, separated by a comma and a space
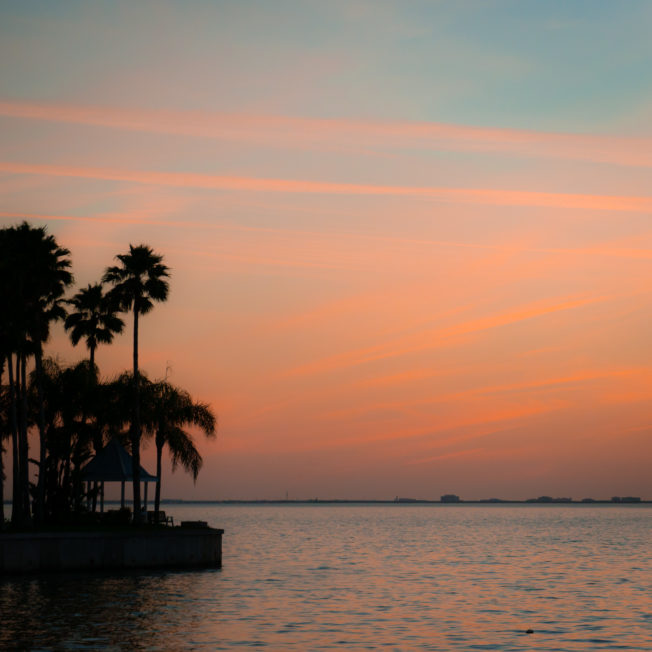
411, 242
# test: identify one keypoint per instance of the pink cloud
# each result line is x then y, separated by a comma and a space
478, 196
298, 132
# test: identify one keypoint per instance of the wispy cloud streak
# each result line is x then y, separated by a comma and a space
478, 196
300, 132
435, 338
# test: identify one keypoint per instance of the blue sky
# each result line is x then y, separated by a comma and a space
568, 66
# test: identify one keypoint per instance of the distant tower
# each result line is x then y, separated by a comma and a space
286, 495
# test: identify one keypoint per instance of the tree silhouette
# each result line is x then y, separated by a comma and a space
138, 282
49, 277
74, 411
4, 433
13, 342
94, 318
167, 411
35, 273
112, 409
69, 397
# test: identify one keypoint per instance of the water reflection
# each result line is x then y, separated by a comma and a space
121, 611
405, 577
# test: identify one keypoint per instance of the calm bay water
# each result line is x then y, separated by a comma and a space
394, 577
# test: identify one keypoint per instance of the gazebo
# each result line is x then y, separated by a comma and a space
114, 464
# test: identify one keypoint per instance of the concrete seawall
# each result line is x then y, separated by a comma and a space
157, 548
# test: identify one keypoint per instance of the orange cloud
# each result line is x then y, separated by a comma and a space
357, 241
458, 421
432, 339
481, 196
287, 131
553, 383
547, 384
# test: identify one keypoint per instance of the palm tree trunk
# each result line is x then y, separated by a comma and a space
2, 488
2, 450
157, 497
23, 444
72, 501
40, 494
16, 500
135, 426
92, 356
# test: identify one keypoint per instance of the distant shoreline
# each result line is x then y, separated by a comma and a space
335, 501
353, 501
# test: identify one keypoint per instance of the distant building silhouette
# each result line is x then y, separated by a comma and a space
450, 498
626, 499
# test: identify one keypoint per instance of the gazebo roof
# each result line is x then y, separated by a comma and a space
113, 464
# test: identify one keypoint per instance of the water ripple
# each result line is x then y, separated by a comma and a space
348, 577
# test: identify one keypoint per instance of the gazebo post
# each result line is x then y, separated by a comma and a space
145, 497
102, 497
122, 494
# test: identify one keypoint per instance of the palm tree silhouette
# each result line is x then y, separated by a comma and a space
4, 433
39, 273
167, 410
94, 318
138, 282
70, 395
10, 344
